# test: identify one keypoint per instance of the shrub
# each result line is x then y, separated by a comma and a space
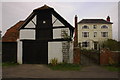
54, 61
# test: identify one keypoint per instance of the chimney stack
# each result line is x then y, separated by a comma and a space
108, 19
76, 33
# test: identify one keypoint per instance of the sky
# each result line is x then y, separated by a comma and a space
13, 12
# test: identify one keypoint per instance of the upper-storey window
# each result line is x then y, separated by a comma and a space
85, 34
95, 34
104, 34
104, 27
94, 26
85, 27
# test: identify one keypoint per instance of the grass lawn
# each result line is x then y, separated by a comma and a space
9, 64
66, 67
112, 68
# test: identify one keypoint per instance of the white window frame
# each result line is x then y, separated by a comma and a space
95, 34
85, 45
104, 34
94, 26
83, 27
104, 27
83, 34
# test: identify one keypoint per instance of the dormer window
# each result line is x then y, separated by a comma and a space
85, 27
104, 27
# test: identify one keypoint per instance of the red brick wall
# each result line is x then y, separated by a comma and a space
109, 57
76, 56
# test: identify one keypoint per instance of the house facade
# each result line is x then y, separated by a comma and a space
92, 32
43, 36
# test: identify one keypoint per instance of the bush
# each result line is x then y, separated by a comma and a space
111, 44
54, 61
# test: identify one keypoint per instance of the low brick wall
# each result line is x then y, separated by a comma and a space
76, 55
109, 57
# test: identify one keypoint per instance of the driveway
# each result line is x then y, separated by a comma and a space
42, 71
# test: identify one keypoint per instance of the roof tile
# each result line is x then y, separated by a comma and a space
12, 33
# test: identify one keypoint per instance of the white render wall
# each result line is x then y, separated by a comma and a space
57, 22
31, 24
71, 52
55, 51
19, 52
91, 31
27, 34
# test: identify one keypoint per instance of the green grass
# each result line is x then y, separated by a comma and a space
112, 68
9, 64
66, 67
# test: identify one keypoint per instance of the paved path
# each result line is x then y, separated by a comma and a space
41, 71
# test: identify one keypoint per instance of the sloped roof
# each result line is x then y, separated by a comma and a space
12, 34
94, 21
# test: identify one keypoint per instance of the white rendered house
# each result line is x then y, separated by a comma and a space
92, 32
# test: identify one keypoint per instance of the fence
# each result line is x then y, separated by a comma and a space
9, 51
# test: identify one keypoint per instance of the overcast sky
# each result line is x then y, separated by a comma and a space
13, 12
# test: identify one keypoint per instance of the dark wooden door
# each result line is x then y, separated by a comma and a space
35, 52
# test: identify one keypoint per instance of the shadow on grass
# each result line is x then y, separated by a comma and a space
5, 64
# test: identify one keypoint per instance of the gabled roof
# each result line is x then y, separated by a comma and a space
94, 21
12, 34
45, 7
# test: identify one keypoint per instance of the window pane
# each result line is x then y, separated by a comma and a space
94, 27
104, 34
85, 27
95, 34
104, 26
85, 34
85, 44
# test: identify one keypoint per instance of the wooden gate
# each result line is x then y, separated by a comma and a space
90, 58
35, 52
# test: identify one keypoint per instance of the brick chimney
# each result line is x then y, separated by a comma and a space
108, 19
76, 33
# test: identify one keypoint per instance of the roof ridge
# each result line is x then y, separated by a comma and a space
95, 21
43, 7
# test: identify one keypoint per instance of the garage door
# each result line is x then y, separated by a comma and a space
35, 52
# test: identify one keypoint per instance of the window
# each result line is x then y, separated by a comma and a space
94, 27
85, 34
104, 34
95, 34
85, 44
85, 27
64, 33
104, 27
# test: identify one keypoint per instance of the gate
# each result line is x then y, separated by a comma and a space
89, 57
35, 52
